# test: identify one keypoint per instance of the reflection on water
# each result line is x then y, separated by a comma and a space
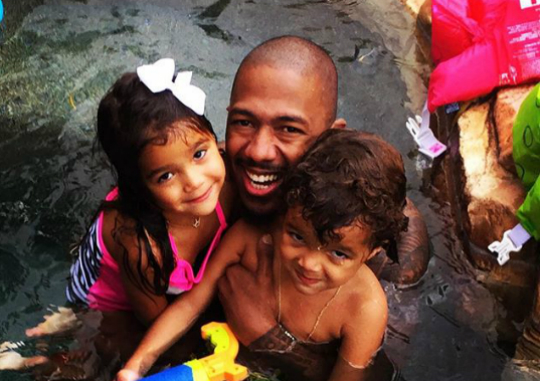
56, 61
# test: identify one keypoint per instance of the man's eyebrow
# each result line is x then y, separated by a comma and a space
241, 111
291, 118
283, 118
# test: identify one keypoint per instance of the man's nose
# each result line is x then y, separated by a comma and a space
261, 147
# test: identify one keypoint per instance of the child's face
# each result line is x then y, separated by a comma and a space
312, 267
274, 116
185, 175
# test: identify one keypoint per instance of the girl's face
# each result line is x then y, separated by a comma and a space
313, 267
185, 175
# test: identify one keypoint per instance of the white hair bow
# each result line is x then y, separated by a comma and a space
158, 77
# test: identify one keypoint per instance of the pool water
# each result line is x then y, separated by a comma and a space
58, 57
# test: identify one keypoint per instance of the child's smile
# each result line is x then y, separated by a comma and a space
313, 267
185, 175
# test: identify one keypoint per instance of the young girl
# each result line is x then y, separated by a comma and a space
157, 229
343, 206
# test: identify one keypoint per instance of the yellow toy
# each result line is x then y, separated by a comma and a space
219, 366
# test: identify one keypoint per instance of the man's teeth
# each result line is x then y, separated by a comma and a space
259, 180
259, 186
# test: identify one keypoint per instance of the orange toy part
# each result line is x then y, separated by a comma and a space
220, 365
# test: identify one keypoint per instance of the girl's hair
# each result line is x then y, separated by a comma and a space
130, 117
348, 177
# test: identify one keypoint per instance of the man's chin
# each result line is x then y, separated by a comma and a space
257, 207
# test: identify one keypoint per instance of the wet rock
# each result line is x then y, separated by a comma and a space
494, 194
505, 109
491, 193
413, 5
424, 19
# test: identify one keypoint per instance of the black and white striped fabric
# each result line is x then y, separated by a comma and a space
85, 270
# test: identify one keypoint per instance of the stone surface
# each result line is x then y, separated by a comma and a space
493, 193
505, 110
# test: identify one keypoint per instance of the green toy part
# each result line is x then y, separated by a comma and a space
526, 152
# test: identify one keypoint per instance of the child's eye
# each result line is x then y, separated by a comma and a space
199, 154
339, 255
164, 177
297, 237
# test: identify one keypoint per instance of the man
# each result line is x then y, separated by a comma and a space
284, 96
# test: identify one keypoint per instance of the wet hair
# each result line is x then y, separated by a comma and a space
129, 118
349, 177
302, 56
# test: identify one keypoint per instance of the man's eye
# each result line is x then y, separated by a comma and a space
199, 154
242, 122
165, 177
339, 255
292, 130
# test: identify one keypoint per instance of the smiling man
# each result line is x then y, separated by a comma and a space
280, 103
283, 97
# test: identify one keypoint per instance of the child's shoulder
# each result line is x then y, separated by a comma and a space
118, 232
364, 296
363, 326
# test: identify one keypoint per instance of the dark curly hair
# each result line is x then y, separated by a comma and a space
349, 177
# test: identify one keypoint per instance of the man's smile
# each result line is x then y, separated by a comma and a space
262, 181
260, 184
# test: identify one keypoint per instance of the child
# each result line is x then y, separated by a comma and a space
168, 205
343, 206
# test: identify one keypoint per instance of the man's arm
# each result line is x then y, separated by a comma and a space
413, 252
248, 298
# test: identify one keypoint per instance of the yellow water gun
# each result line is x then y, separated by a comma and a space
219, 366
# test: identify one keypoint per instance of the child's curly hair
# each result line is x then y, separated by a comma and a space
349, 177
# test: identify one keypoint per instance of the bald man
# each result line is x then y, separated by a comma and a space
284, 96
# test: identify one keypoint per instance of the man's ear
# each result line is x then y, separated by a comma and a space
339, 123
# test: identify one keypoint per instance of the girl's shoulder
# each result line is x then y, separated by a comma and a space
119, 233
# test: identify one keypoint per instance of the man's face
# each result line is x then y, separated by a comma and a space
274, 116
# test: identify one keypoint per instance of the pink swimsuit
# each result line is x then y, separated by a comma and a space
95, 275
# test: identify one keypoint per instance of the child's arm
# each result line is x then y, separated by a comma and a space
147, 306
362, 337
181, 314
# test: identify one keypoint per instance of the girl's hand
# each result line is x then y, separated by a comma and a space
127, 375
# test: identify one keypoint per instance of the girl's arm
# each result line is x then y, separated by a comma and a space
147, 306
362, 337
123, 244
181, 314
